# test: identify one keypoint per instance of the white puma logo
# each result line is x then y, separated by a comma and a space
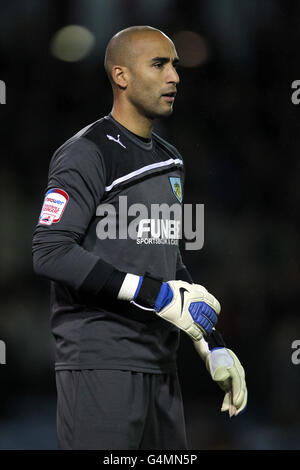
116, 140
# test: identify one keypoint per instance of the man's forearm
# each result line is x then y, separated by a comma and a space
61, 258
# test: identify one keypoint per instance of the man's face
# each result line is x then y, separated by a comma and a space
152, 76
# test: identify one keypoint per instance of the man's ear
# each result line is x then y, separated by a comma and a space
120, 76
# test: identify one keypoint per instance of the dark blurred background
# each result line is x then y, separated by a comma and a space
236, 126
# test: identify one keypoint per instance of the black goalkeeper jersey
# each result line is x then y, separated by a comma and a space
112, 204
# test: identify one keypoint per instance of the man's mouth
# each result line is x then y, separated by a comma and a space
169, 96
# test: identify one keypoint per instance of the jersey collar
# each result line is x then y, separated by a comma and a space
130, 135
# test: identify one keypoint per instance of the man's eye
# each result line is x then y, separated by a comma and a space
158, 65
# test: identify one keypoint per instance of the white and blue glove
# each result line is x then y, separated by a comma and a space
189, 307
227, 371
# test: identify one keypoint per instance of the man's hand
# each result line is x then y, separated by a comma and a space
227, 371
188, 306
191, 308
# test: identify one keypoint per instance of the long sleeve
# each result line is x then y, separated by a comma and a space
77, 172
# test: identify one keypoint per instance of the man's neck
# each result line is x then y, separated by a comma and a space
134, 122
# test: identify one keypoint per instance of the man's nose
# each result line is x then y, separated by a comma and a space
172, 75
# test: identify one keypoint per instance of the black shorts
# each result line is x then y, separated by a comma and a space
116, 409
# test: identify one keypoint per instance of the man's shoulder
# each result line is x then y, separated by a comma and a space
90, 140
93, 132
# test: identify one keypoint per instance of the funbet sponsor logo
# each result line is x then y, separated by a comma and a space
158, 231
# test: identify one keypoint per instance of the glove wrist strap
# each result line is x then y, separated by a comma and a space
148, 291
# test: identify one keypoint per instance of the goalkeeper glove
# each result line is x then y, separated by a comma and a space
188, 306
227, 371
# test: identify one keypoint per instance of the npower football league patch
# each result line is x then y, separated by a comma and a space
53, 206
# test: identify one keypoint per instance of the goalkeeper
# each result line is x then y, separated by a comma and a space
120, 293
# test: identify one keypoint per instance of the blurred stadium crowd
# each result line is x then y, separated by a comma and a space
238, 132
